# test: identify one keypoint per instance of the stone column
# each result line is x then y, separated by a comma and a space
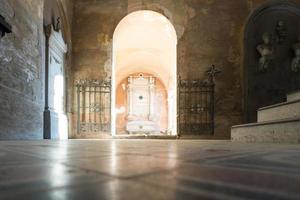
129, 97
152, 98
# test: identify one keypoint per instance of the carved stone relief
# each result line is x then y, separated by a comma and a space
281, 31
266, 50
56, 87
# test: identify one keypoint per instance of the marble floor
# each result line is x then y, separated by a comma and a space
148, 169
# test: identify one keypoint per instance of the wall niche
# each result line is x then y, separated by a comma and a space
271, 37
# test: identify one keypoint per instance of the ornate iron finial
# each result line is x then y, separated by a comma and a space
212, 72
57, 25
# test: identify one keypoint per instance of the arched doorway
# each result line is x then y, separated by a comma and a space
144, 74
270, 36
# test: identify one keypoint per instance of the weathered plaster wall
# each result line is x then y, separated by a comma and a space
209, 32
93, 26
21, 74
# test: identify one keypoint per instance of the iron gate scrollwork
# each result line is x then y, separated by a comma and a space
93, 106
196, 105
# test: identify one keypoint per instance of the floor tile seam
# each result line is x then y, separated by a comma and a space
131, 177
209, 156
3, 147
28, 181
82, 169
37, 155
24, 164
43, 157
233, 156
262, 169
205, 181
89, 183
199, 192
106, 156
20, 163
78, 173
228, 159
215, 157
138, 176
24, 153
57, 149
241, 187
74, 158
227, 167
278, 164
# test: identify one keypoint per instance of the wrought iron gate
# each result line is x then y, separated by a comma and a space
195, 107
93, 106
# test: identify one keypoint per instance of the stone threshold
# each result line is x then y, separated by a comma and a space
145, 136
202, 137
153, 136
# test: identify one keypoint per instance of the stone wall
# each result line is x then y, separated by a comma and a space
22, 65
209, 32
21, 74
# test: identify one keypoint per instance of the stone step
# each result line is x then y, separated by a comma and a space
293, 96
278, 131
286, 110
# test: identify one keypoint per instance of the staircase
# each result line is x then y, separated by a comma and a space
279, 123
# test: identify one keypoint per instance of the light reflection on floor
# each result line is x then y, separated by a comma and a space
148, 169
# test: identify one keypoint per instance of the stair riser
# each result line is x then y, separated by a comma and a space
281, 112
288, 132
293, 96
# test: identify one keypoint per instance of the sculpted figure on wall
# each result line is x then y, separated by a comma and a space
281, 31
296, 61
266, 50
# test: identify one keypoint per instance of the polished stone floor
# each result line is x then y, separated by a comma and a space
148, 169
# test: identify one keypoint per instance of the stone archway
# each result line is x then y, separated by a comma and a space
145, 42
